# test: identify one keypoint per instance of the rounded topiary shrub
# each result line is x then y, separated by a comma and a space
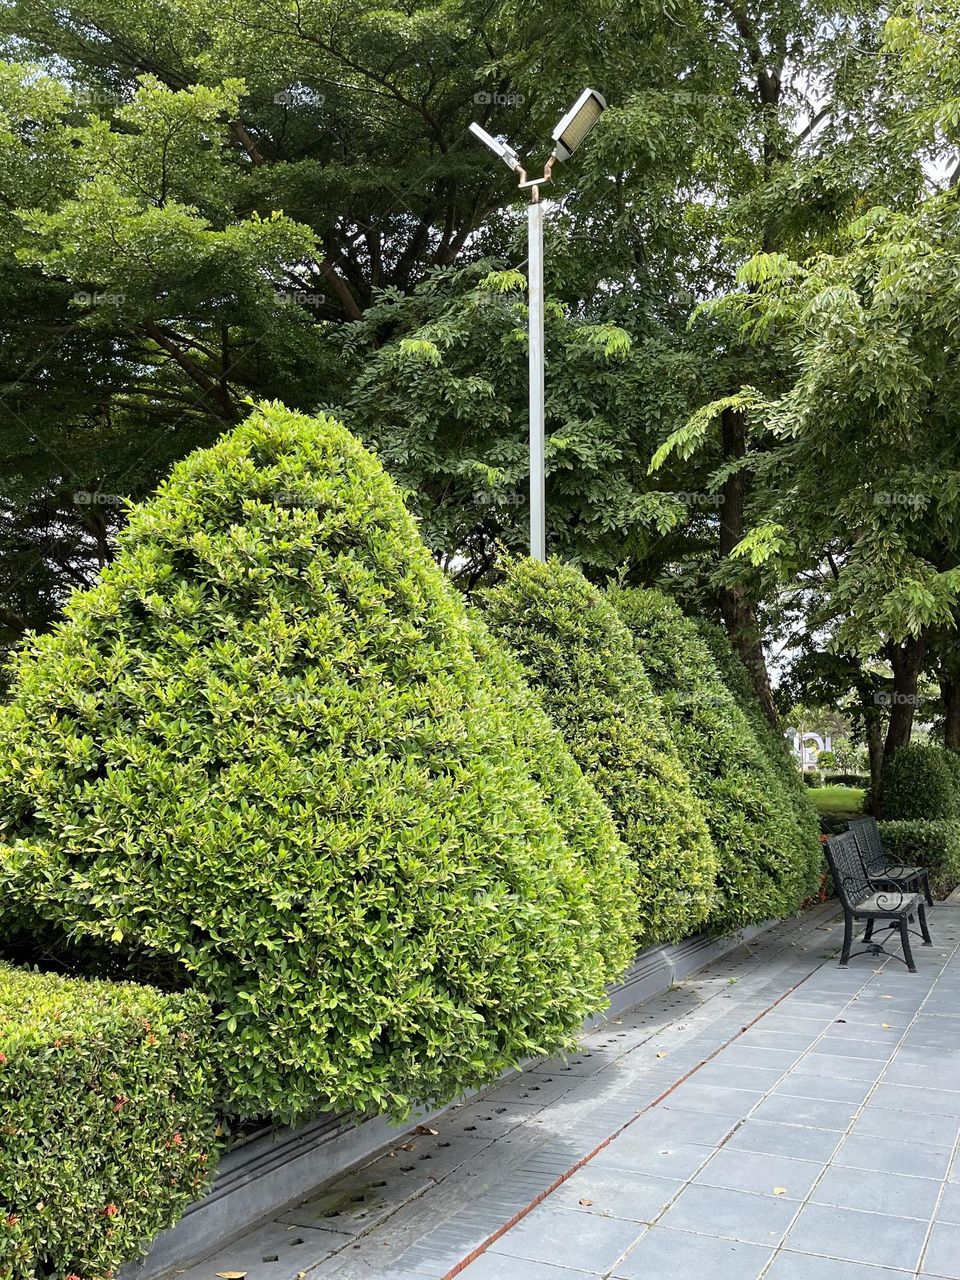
917, 781
576, 651
768, 867
273, 748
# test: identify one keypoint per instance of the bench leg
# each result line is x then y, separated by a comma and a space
922, 913
926, 889
905, 939
847, 939
869, 933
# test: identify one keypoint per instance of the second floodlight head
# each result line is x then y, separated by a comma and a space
577, 123
501, 149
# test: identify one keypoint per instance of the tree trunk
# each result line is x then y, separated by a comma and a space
906, 660
738, 610
950, 695
874, 736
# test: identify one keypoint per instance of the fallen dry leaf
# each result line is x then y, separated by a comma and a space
661, 1055
586, 1203
422, 1128
885, 1026
779, 1191
231, 1275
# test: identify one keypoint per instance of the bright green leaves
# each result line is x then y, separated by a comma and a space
273, 749
687, 439
769, 854
108, 1121
578, 654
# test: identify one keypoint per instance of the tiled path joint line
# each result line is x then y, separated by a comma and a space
584, 1160
856, 1115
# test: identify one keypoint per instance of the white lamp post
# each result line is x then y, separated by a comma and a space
567, 136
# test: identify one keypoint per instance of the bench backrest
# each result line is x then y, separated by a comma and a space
846, 865
867, 835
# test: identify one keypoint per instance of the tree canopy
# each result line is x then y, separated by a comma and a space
202, 204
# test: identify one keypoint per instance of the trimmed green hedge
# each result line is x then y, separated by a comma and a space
579, 655
917, 782
769, 862
934, 844
106, 1121
611, 922
772, 742
271, 746
952, 761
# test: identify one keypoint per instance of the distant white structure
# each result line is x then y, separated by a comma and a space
807, 746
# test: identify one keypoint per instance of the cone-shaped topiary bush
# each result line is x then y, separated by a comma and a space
273, 747
773, 744
576, 651
917, 781
767, 867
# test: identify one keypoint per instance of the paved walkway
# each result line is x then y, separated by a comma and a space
774, 1117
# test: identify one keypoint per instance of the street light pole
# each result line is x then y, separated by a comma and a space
567, 136
538, 484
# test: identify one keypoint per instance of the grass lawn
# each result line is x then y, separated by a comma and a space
837, 799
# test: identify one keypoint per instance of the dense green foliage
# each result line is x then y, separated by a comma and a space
769, 861
273, 747
108, 1124
204, 202
918, 782
952, 760
579, 655
772, 742
934, 844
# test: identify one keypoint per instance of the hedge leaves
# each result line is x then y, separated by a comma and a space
273, 746
579, 655
108, 1121
769, 863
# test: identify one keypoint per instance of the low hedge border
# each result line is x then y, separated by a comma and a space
107, 1127
933, 843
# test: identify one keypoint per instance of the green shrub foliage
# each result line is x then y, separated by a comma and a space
773, 743
273, 746
918, 782
579, 655
768, 866
933, 844
106, 1120
952, 761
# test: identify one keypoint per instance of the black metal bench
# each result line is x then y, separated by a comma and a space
882, 870
862, 901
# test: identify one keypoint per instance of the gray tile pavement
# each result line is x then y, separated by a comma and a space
774, 1118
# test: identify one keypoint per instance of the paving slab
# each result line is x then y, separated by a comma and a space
679, 1255
942, 1254
853, 1236
773, 1118
761, 1174
805, 1266
585, 1242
